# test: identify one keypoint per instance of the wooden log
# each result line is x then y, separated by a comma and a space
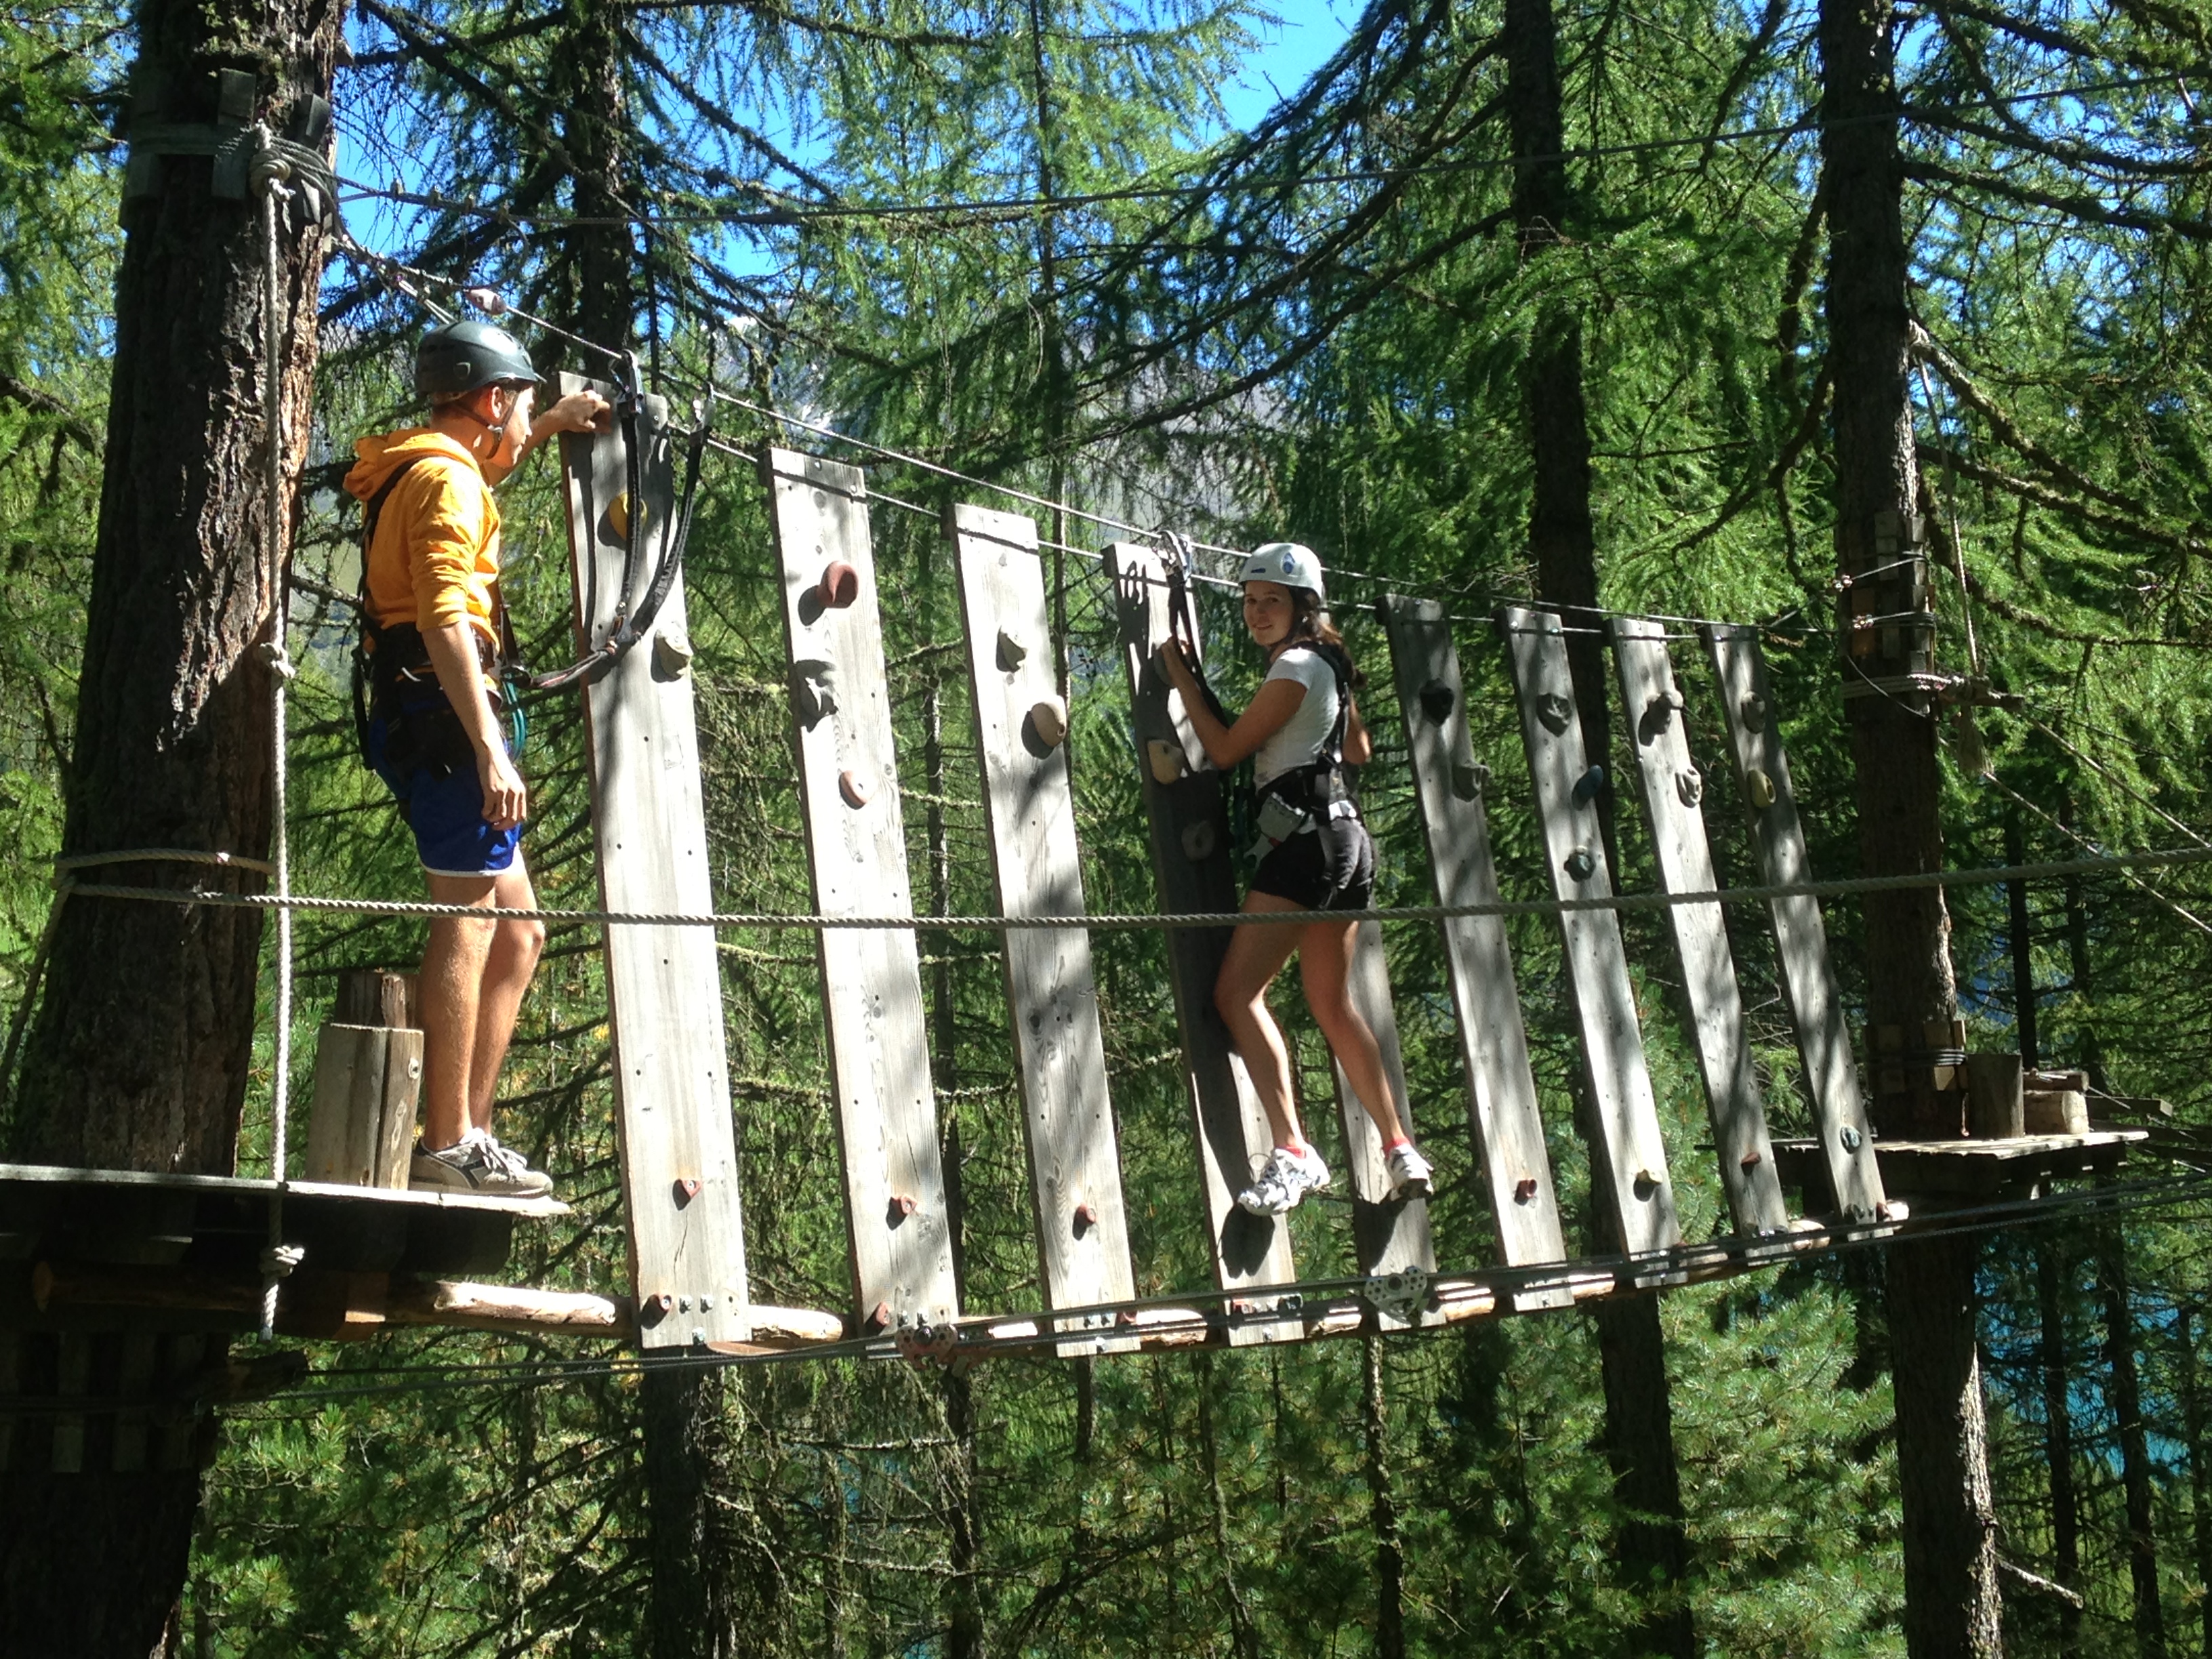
1633, 1181
1672, 790
360, 1125
1075, 1174
2054, 1112
1189, 824
378, 996
99, 1284
895, 1190
1995, 1106
1502, 1106
1809, 982
678, 1137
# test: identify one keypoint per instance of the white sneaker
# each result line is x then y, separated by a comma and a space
1409, 1173
1285, 1178
477, 1163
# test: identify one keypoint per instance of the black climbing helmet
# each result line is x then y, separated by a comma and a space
455, 359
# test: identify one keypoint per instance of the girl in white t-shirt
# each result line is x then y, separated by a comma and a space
1301, 731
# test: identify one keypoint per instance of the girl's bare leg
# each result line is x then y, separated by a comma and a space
1255, 956
1325, 950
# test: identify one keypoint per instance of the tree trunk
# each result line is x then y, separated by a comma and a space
2134, 1452
2023, 951
139, 1056
1389, 1551
2200, 1470
1562, 539
2058, 1442
1950, 1558
1951, 1606
695, 1610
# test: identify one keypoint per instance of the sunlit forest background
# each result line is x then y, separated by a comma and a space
1027, 241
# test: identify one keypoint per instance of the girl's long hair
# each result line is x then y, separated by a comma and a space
1310, 625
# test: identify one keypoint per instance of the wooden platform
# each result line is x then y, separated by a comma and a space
213, 1228
1965, 1168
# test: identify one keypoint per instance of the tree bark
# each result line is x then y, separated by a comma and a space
1639, 1440
139, 1055
2023, 951
2058, 1442
2200, 1470
1390, 1549
1952, 1603
2135, 1451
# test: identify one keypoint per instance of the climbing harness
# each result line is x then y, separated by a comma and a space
1317, 792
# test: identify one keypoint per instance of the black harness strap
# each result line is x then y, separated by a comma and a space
1321, 788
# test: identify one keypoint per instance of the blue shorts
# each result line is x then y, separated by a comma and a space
447, 815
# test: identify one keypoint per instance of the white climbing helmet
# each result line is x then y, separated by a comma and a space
1290, 563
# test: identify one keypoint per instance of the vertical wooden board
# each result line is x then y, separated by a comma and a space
1075, 1173
403, 1086
1816, 1002
902, 1239
1189, 824
678, 1139
11, 1385
1387, 1237
180, 1430
1673, 793
1502, 1104
1634, 1179
343, 1123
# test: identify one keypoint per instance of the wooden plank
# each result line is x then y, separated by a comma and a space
1816, 1003
1502, 1104
1633, 1180
678, 1137
902, 1241
1188, 823
344, 1120
369, 1199
1387, 1237
11, 1384
1673, 791
1075, 1173
72, 1381
402, 1086
134, 1380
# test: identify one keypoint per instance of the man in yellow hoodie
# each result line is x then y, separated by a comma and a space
434, 633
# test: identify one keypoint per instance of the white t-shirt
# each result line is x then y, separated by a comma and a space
1300, 741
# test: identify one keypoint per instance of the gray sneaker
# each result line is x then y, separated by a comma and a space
477, 1163
1286, 1177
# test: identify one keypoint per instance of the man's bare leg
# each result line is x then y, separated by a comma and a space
507, 970
453, 964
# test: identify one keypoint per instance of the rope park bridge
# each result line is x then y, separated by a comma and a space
162, 1261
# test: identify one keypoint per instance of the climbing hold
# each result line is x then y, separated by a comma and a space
1754, 712
902, 1207
1689, 785
618, 516
1011, 651
841, 585
1554, 710
854, 790
1589, 786
1166, 760
1198, 839
1437, 699
1581, 864
810, 691
1850, 1137
654, 1307
1467, 781
672, 656
879, 1317
686, 1189
1662, 708
1750, 1160
1049, 717
1524, 1190
1086, 1218
1759, 788
1646, 1183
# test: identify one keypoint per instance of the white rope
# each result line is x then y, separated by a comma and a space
270, 171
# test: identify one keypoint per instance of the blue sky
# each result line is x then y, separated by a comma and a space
1289, 51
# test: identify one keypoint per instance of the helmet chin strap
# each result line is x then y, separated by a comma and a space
498, 432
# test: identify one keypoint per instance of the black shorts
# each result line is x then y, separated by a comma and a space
1328, 867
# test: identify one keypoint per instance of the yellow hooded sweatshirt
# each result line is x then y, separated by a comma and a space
435, 558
